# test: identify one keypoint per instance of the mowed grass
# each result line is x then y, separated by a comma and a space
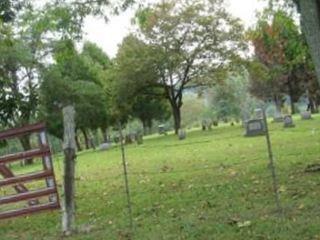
213, 185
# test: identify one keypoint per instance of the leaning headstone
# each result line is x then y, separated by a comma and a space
306, 115
255, 127
105, 146
182, 134
161, 129
288, 122
258, 113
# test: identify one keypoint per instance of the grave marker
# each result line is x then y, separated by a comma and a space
182, 134
288, 122
105, 146
258, 113
255, 127
306, 115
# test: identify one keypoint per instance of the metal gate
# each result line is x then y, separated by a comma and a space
31, 198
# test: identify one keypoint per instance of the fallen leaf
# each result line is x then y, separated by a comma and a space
244, 224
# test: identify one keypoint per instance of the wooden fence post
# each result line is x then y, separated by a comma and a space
69, 148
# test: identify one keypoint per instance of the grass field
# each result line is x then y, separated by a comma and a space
213, 185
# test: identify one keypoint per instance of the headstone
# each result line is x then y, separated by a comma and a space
258, 113
182, 134
288, 122
105, 146
306, 115
277, 116
255, 127
161, 129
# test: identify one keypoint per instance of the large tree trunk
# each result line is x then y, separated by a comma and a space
310, 22
69, 147
26, 145
290, 92
144, 126
176, 117
312, 106
293, 110
104, 134
86, 138
149, 125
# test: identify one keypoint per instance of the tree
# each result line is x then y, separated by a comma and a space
310, 22
281, 55
130, 83
189, 45
9, 8
99, 62
73, 80
18, 92
231, 98
148, 107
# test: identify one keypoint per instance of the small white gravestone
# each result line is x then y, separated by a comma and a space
288, 122
277, 117
105, 146
306, 115
182, 134
255, 127
258, 113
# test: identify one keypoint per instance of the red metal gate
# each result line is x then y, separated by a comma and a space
18, 182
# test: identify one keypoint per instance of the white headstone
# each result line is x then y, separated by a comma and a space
104, 146
306, 115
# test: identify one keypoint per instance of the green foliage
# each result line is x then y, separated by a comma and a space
18, 94
193, 110
9, 9
283, 64
131, 83
189, 46
73, 80
231, 98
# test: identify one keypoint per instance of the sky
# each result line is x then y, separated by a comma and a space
109, 35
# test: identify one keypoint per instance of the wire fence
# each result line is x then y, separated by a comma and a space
226, 192
231, 194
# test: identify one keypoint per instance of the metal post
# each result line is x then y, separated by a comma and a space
272, 165
124, 163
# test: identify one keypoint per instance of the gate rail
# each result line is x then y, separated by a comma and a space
18, 181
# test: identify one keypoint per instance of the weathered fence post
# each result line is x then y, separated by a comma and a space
271, 164
69, 148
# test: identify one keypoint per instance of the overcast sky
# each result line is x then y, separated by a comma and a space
109, 35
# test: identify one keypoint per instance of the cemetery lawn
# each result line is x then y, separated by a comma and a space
213, 185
